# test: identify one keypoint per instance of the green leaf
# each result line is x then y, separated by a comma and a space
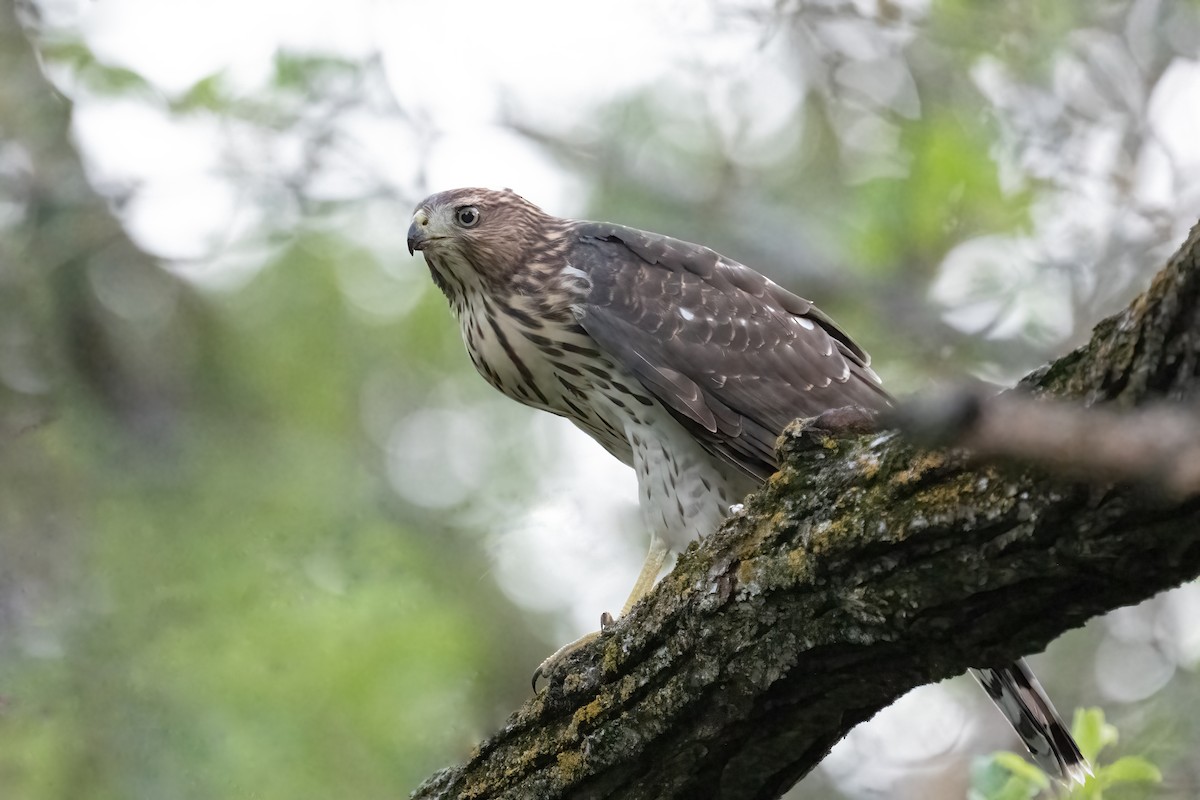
1023, 769
1017, 788
209, 93
96, 75
68, 51
1092, 733
115, 80
1129, 769
987, 778
302, 71
990, 786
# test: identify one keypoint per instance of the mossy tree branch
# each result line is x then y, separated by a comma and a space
866, 567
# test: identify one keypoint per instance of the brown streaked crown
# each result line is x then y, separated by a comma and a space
500, 235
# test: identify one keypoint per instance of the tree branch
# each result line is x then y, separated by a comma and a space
864, 568
1157, 447
72, 241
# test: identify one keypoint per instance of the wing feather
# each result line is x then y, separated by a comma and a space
732, 355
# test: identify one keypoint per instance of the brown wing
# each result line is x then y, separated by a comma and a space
734, 356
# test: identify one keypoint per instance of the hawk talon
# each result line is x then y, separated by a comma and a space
551, 662
847, 420
537, 673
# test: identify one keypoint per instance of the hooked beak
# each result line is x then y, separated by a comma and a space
416, 238
418, 231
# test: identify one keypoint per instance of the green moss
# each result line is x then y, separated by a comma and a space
921, 464
868, 465
611, 658
798, 564
569, 764
956, 492
588, 713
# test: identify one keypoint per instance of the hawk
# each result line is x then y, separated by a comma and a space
682, 363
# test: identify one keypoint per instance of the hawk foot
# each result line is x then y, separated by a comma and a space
553, 661
645, 581
845, 421
809, 434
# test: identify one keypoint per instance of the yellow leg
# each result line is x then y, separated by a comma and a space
641, 587
650, 567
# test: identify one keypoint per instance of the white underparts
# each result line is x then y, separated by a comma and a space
684, 491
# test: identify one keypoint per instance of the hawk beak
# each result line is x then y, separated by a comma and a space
416, 237
418, 231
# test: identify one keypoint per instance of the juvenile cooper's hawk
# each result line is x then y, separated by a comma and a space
680, 362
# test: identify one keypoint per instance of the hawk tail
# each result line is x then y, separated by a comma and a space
1019, 696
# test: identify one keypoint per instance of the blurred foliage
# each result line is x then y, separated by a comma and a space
219, 573
207, 585
1008, 776
238, 606
915, 132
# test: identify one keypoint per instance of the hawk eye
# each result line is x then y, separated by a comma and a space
467, 216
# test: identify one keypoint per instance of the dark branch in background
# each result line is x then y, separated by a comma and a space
869, 566
71, 243
1156, 447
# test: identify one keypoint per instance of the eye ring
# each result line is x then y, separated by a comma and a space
467, 216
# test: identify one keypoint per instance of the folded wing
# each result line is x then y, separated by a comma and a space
733, 355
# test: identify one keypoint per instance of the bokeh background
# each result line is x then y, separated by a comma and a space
263, 531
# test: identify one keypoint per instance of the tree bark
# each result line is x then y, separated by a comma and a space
867, 566
69, 242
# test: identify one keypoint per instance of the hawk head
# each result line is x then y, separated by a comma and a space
477, 235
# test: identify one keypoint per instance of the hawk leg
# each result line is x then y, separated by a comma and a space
655, 559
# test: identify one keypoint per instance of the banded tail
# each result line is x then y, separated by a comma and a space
1019, 696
